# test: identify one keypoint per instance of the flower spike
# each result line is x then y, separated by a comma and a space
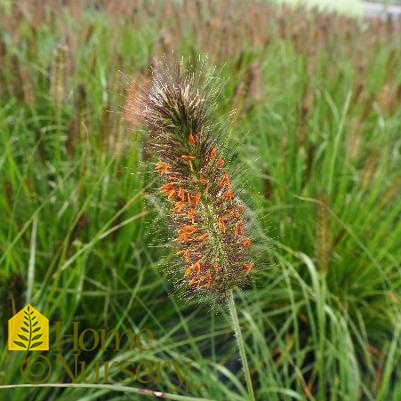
177, 110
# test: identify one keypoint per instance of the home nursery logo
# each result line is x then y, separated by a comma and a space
28, 331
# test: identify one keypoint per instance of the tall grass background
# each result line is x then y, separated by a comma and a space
316, 136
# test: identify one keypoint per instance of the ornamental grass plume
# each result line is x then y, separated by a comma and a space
176, 106
208, 219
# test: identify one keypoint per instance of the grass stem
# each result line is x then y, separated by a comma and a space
108, 387
241, 345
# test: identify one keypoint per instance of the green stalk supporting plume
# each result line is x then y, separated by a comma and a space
176, 106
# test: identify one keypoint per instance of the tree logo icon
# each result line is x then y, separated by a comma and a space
28, 330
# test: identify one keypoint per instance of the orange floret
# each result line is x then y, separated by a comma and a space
229, 195
166, 188
171, 194
178, 207
187, 229
246, 243
238, 229
220, 163
188, 157
221, 224
185, 233
225, 182
191, 215
196, 199
191, 140
162, 168
202, 237
212, 153
248, 267
197, 266
235, 214
181, 194
186, 254
192, 281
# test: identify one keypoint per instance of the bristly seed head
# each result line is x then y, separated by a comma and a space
176, 108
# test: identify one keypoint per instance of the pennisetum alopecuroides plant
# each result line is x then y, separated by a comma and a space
176, 107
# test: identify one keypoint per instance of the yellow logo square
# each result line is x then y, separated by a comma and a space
28, 330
